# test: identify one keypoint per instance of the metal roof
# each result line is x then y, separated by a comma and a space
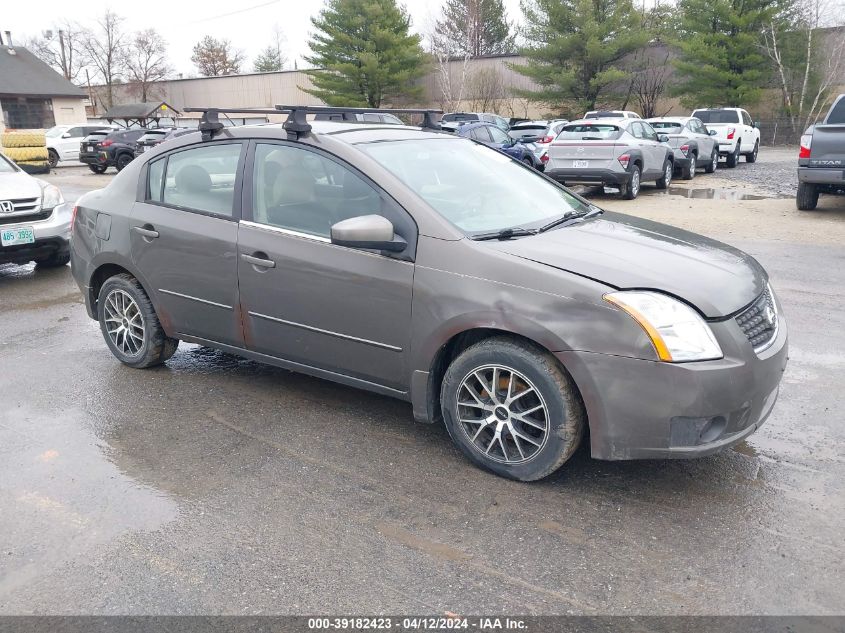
144, 110
23, 74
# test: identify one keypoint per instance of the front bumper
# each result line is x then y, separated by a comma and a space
640, 409
52, 236
589, 176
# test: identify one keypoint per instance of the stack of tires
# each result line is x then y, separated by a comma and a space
28, 150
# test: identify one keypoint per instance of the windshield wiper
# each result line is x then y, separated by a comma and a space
572, 215
505, 234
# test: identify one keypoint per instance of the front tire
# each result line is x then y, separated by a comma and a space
688, 172
631, 189
664, 181
714, 162
807, 197
512, 409
130, 325
752, 157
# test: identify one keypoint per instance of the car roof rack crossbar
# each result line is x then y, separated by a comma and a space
296, 123
210, 123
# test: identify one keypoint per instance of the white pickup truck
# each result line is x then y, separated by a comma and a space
736, 133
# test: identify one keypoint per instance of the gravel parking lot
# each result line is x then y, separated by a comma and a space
219, 485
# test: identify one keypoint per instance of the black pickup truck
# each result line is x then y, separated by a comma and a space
821, 159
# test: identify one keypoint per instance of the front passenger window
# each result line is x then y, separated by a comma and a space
304, 191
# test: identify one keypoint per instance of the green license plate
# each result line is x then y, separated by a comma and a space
17, 235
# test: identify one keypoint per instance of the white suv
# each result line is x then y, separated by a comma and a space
735, 131
63, 141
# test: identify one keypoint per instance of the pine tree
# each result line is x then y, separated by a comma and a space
474, 27
576, 49
268, 60
364, 54
722, 60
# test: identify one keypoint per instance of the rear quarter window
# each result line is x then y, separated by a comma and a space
837, 113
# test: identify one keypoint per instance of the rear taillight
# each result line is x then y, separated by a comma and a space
731, 132
685, 149
73, 217
106, 143
544, 158
624, 160
546, 139
806, 143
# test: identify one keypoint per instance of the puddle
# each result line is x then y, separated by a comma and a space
713, 194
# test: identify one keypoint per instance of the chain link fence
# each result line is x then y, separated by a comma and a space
779, 132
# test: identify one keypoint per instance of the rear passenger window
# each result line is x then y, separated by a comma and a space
303, 191
202, 179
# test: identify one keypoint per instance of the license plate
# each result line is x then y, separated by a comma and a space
18, 235
580, 163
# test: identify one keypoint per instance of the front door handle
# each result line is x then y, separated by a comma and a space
150, 233
259, 261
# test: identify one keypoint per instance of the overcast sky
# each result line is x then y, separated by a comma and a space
248, 24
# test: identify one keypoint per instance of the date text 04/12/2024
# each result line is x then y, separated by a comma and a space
417, 623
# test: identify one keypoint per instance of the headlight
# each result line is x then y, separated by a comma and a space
50, 196
677, 331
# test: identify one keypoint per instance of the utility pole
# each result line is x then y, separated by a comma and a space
65, 67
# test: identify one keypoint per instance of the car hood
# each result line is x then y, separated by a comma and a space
627, 252
18, 185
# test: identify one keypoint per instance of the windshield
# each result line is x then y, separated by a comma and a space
6, 165
476, 188
590, 131
54, 131
717, 116
605, 115
669, 126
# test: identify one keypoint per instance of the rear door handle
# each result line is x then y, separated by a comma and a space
258, 261
150, 233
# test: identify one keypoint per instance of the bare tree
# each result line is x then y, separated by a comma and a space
62, 48
449, 56
487, 90
649, 80
214, 57
146, 62
105, 47
807, 48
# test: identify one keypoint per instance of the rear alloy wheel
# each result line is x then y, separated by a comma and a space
733, 158
688, 172
752, 157
714, 162
664, 181
807, 197
130, 325
122, 161
631, 189
52, 158
512, 409
98, 169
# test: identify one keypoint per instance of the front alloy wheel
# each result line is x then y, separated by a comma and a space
502, 414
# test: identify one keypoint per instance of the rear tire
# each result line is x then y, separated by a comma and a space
122, 161
733, 158
688, 172
807, 197
714, 162
528, 162
98, 169
752, 157
546, 396
130, 325
664, 181
631, 189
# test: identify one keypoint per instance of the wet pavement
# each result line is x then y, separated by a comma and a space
219, 485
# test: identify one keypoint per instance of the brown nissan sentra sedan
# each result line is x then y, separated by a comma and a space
412, 263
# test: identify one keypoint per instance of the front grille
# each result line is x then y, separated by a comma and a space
26, 217
25, 204
759, 322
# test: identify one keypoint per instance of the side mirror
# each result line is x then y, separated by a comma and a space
712, 132
663, 138
756, 124
66, 135
368, 231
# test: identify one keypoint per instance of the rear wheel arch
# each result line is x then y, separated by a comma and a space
106, 271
